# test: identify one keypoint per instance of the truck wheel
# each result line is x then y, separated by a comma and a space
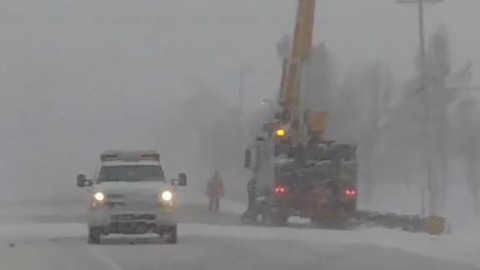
172, 235
280, 219
94, 235
350, 208
264, 219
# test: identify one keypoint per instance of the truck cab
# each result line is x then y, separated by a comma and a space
130, 195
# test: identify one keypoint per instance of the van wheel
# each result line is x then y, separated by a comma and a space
172, 235
94, 235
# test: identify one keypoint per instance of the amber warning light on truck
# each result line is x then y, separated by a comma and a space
280, 132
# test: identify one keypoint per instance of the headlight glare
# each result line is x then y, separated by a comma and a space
167, 195
99, 196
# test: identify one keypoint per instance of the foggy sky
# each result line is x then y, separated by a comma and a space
78, 77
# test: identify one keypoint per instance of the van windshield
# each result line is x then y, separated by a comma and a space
131, 173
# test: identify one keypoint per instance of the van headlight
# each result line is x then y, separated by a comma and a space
99, 196
167, 196
97, 200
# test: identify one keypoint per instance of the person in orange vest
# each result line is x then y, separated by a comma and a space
215, 190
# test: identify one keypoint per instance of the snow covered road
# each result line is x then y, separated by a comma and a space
61, 245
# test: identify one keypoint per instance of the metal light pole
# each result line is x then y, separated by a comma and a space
241, 94
241, 103
431, 179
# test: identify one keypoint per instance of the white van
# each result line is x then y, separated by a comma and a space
130, 195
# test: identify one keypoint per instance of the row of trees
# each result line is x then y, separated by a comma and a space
392, 123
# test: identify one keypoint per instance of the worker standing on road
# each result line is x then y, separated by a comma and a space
215, 190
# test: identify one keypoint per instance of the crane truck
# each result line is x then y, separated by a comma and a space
296, 170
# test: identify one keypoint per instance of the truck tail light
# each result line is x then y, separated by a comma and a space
280, 190
350, 193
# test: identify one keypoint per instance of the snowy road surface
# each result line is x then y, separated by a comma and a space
40, 248
61, 245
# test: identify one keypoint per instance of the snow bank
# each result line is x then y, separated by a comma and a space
448, 248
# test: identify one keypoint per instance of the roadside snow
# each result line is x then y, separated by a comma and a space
446, 248
443, 247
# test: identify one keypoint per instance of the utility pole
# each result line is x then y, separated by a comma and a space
421, 31
431, 178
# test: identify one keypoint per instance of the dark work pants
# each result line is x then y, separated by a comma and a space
214, 204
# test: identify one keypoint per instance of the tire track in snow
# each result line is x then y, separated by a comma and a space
104, 259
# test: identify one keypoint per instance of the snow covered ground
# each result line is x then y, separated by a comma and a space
25, 244
62, 246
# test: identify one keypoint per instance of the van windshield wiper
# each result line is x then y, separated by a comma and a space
113, 180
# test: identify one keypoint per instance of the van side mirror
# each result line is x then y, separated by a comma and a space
182, 179
248, 158
82, 181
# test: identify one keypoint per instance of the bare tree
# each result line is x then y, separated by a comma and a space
357, 109
319, 79
193, 124
467, 130
378, 84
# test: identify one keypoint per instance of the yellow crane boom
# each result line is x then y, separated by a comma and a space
300, 51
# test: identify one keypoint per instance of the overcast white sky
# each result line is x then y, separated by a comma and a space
78, 77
